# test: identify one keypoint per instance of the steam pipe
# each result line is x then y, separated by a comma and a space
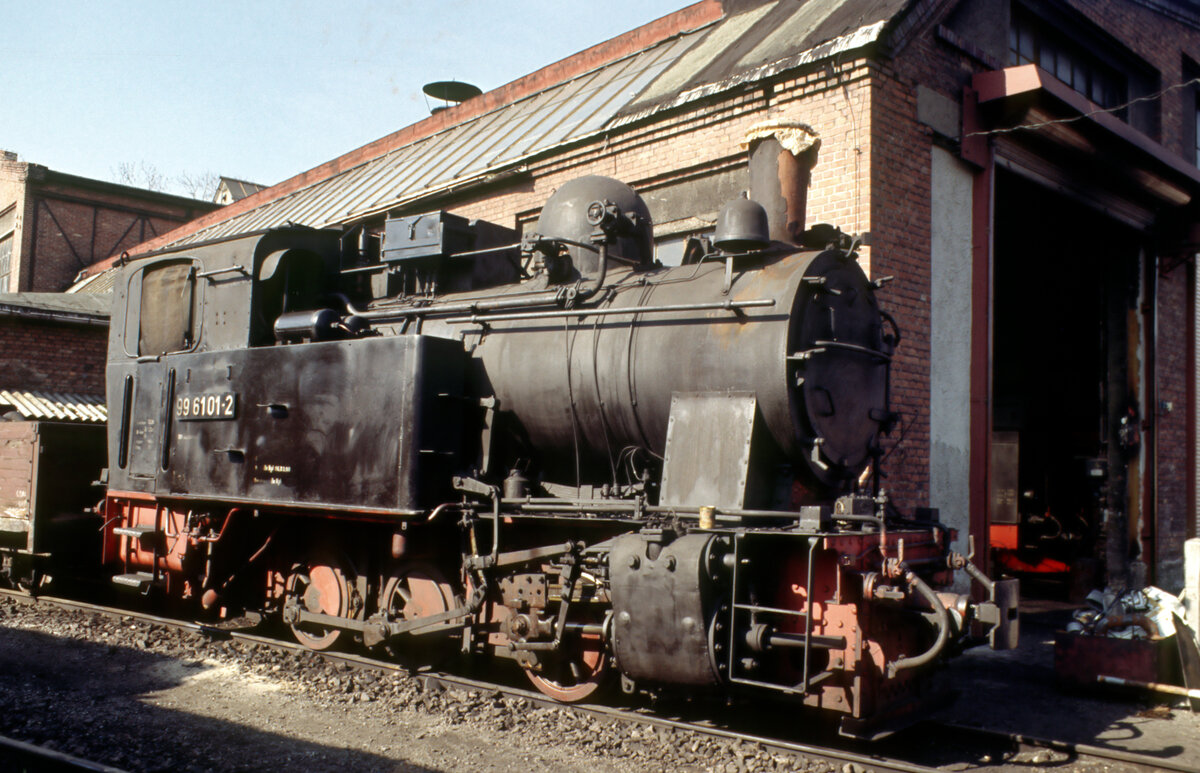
483, 304
943, 627
594, 288
550, 297
727, 305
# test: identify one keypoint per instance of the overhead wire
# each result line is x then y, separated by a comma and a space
1098, 111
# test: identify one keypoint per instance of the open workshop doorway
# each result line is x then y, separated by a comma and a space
1067, 351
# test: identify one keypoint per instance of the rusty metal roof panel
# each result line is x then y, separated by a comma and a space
716, 44
691, 65
815, 22
55, 405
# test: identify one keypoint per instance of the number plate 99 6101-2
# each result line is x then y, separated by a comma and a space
218, 405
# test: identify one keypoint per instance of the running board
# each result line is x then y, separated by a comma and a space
141, 581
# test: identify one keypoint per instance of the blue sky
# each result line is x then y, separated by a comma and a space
261, 90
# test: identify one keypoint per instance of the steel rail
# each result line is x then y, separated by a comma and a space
22, 755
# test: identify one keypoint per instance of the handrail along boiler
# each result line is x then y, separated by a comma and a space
544, 447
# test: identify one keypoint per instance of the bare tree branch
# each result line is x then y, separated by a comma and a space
140, 175
198, 185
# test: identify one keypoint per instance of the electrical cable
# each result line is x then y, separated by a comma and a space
1089, 114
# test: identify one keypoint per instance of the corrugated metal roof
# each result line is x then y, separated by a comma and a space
66, 307
487, 143
758, 43
56, 405
96, 283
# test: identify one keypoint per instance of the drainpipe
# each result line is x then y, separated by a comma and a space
1150, 506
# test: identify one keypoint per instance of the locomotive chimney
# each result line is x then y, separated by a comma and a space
782, 156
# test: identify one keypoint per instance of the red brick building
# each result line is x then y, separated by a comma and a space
54, 225
1025, 169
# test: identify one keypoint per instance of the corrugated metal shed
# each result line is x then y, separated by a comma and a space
759, 43
55, 406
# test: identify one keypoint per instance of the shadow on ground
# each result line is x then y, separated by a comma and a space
88, 700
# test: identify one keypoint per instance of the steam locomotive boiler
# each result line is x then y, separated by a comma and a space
544, 447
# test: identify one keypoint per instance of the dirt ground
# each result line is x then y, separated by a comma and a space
1017, 691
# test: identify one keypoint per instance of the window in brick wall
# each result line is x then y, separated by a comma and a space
7, 224
1030, 41
5, 261
1084, 57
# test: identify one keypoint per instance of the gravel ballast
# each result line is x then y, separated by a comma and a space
147, 697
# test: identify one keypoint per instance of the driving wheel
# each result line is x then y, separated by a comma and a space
319, 587
411, 593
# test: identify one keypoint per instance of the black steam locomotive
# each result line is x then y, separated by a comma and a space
545, 447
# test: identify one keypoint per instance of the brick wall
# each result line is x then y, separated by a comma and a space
73, 234
900, 216
41, 355
66, 223
1173, 382
16, 471
1164, 46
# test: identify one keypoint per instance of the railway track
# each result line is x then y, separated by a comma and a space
20, 757
989, 749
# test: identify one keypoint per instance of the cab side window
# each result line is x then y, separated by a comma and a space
168, 317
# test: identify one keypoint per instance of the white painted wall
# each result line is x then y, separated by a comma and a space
950, 343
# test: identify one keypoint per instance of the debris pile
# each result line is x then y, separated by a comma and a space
1127, 614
